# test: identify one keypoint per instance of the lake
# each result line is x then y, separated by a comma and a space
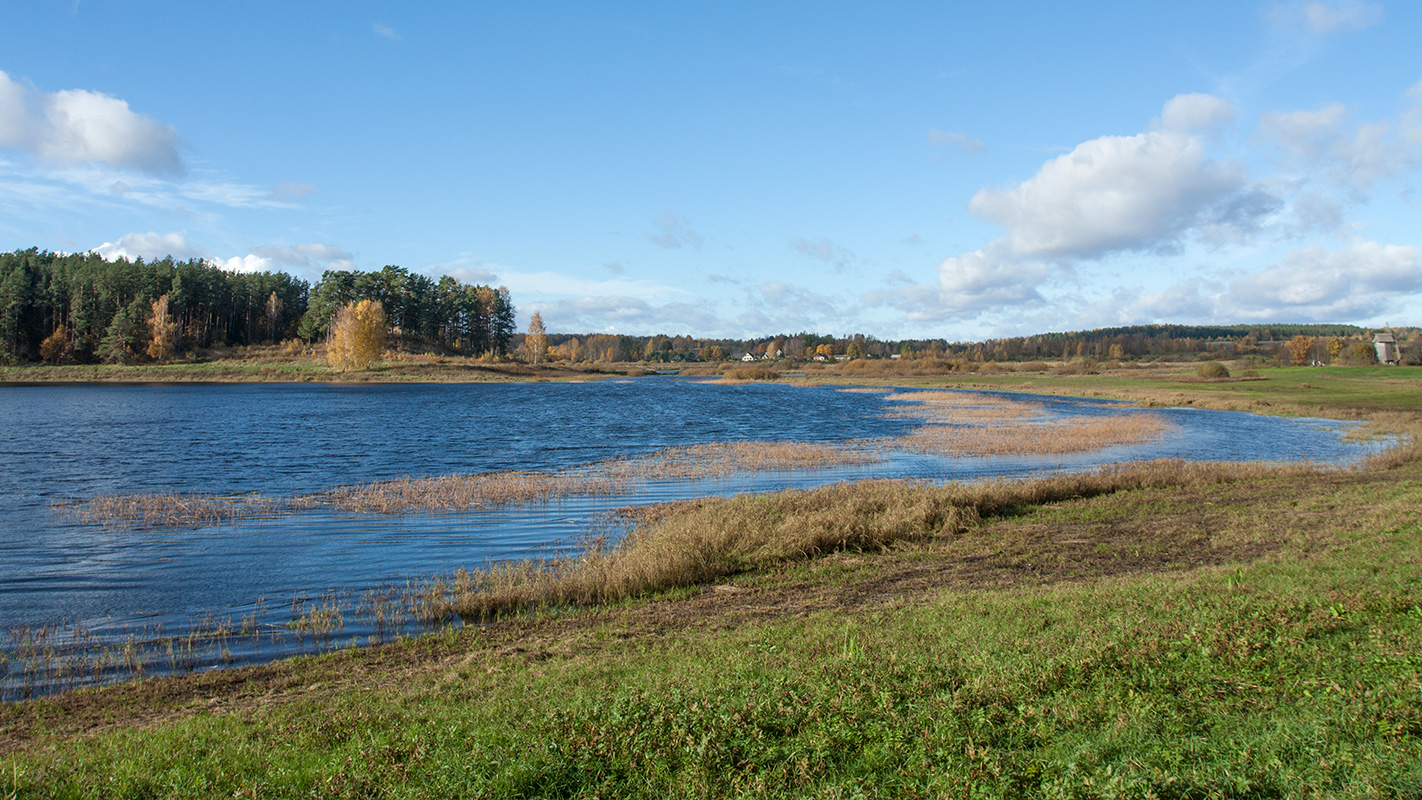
66, 583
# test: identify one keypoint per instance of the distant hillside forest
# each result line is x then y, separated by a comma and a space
83, 308
1138, 342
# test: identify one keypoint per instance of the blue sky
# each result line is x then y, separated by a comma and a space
899, 169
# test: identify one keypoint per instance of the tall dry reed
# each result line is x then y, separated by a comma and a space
959, 424
710, 539
724, 458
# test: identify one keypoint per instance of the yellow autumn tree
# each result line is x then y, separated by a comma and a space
537, 339
357, 337
164, 331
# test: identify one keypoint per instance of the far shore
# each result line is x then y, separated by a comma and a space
1333, 391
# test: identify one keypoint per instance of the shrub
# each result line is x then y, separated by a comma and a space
750, 374
1212, 369
1033, 366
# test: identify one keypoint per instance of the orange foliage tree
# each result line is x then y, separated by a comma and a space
1299, 348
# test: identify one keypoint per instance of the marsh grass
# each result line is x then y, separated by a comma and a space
455, 492
724, 458
170, 510
688, 544
448, 493
962, 424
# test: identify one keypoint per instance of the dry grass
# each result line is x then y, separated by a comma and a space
170, 510
695, 543
724, 458
959, 424
407, 495
1045, 437
455, 492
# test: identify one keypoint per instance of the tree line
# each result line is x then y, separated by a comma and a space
81, 307
1129, 342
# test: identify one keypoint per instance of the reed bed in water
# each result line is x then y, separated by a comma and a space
724, 458
407, 495
958, 424
710, 539
171, 509
457, 492
1040, 437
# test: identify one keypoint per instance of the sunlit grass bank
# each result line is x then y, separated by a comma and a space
1170, 630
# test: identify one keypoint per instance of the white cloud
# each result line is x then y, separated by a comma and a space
1112, 194
1319, 142
1196, 113
959, 140
1318, 284
247, 263
78, 126
311, 255
152, 245
989, 279
1327, 18
1364, 281
385, 31
675, 232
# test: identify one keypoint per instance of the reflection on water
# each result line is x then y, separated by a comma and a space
112, 586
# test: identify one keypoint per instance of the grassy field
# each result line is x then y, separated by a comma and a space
1328, 391
1160, 631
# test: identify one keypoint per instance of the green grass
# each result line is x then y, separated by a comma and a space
1274, 654
1290, 390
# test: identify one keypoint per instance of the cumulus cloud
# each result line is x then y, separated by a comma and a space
79, 126
309, 255
247, 263
989, 279
1314, 283
959, 140
1196, 113
1310, 284
1112, 194
674, 232
150, 246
